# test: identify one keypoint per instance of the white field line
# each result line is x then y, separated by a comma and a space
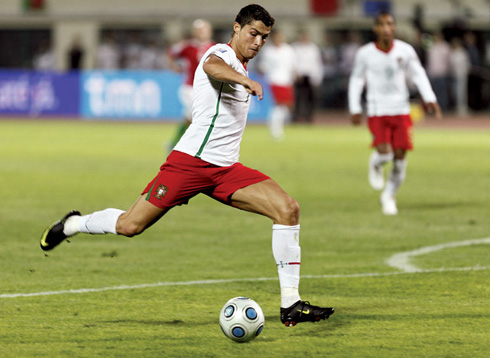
401, 260
211, 282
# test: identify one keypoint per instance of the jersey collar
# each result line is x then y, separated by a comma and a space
385, 51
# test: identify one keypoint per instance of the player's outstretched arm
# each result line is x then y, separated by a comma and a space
218, 69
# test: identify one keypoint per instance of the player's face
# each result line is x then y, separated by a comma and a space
249, 39
385, 28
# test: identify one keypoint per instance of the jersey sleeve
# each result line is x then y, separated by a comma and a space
357, 81
419, 77
223, 53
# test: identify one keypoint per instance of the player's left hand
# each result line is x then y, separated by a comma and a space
434, 109
254, 88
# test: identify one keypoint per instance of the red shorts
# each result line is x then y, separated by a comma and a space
283, 94
396, 130
183, 176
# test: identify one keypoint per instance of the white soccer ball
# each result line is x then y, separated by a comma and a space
241, 319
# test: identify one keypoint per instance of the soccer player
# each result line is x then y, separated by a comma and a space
278, 63
184, 57
206, 161
383, 65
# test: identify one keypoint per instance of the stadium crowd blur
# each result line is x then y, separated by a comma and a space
457, 62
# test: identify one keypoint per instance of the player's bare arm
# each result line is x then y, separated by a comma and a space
216, 68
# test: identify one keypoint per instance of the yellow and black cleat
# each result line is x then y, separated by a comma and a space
303, 311
53, 235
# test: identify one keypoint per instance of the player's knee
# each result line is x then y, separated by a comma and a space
289, 212
130, 229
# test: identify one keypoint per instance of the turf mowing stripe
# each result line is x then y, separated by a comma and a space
233, 280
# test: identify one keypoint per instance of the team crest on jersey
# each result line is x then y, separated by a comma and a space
160, 192
401, 62
389, 72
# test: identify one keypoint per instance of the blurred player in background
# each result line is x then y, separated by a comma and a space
309, 67
278, 63
205, 160
383, 66
184, 57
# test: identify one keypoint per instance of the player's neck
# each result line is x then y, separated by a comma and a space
384, 45
242, 59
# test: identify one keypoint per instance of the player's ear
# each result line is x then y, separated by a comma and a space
236, 28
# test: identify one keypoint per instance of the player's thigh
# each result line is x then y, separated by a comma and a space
403, 134
269, 199
380, 132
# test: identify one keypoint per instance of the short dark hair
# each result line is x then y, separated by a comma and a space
381, 14
254, 12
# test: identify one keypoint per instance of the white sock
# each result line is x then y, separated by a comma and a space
376, 159
277, 120
287, 254
396, 177
100, 222
70, 227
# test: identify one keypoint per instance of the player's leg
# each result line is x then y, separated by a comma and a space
396, 177
269, 199
155, 201
139, 217
402, 141
381, 155
284, 101
277, 120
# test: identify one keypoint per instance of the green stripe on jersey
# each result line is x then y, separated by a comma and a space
210, 129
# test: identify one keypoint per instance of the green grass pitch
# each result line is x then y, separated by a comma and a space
173, 279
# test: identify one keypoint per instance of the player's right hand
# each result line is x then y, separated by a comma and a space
356, 119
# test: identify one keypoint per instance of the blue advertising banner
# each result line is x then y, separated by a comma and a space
260, 110
130, 95
147, 95
26, 93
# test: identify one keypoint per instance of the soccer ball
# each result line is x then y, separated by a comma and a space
241, 319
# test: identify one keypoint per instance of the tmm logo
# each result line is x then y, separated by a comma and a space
122, 97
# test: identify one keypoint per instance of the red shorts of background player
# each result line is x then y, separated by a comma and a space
283, 94
183, 176
396, 130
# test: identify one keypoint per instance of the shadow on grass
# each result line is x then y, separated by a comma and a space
175, 322
437, 205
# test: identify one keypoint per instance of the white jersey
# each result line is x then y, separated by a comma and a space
385, 73
219, 113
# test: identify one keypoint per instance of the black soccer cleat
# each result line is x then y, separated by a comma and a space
302, 311
54, 235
